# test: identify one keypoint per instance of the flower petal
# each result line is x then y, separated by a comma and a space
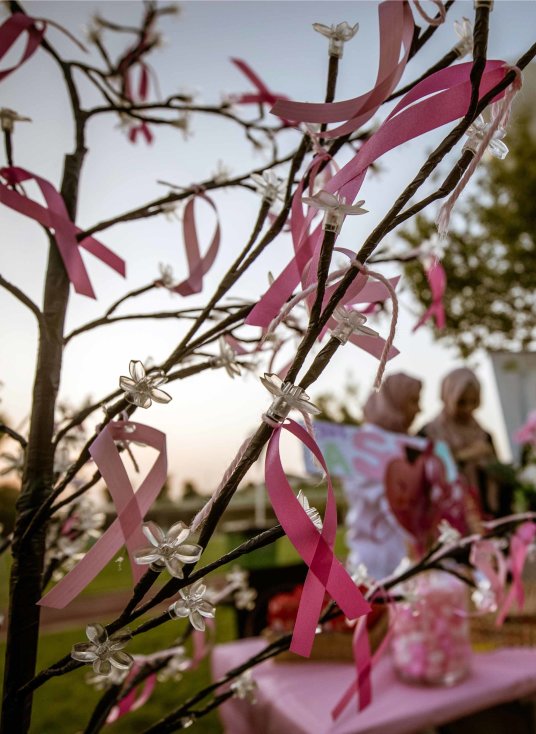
197, 621
177, 532
84, 652
188, 553
122, 660
137, 370
159, 396
126, 384
154, 533
102, 667
175, 567
96, 633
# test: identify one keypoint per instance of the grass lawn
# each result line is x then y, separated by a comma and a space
64, 704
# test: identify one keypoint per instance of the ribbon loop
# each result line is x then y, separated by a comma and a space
131, 508
10, 30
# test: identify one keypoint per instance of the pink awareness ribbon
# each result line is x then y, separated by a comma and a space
440, 98
519, 548
10, 30
326, 573
262, 96
396, 35
131, 507
198, 265
55, 216
437, 280
135, 699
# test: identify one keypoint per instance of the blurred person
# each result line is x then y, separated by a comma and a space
470, 444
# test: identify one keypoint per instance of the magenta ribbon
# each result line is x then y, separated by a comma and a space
437, 280
131, 507
198, 266
55, 216
10, 30
142, 93
262, 96
440, 98
488, 559
135, 699
396, 35
326, 573
519, 548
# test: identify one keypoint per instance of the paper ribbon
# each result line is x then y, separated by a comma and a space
131, 507
437, 281
55, 216
396, 33
10, 30
440, 98
262, 96
197, 265
136, 698
519, 548
316, 548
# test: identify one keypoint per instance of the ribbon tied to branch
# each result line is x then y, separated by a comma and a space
131, 507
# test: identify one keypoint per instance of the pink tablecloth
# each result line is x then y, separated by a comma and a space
296, 698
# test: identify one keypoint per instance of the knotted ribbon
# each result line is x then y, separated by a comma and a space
262, 96
55, 216
437, 281
10, 30
198, 265
440, 98
316, 548
131, 507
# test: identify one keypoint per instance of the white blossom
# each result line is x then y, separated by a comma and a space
141, 389
338, 35
169, 549
311, 512
193, 605
245, 687
103, 652
8, 118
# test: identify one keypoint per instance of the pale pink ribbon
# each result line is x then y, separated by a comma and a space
198, 265
131, 508
10, 30
520, 543
55, 217
316, 548
135, 699
428, 18
141, 96
441, 98
396, 33
262, 96
487, 558
527, 432
437, 280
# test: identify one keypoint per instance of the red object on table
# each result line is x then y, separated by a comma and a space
295, 698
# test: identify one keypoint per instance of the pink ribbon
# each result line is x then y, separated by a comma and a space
132, 701
262, 96
141, 96
326, 573
131, 507
396, 33
197, 265
440, 98
55, 216
519, 548
527, 432
10, 30
437, 280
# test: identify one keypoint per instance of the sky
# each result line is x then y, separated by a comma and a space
210, 415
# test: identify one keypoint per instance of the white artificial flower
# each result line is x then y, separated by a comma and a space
338, 35
311, 512
447, 534
169, 549
194, 605
349, 321
141, 389
287, 397
269, 186
103, 652
226, 359
464, 30
335, 208
478, 130
8, 118
245, 687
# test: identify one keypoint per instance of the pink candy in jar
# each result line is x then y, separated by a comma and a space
430, 643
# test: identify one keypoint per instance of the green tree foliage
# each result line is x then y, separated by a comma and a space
490, 258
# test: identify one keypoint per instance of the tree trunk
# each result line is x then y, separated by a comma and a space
27, 568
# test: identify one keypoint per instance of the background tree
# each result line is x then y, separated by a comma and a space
490, 252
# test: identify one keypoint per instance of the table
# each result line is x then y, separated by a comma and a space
296, 698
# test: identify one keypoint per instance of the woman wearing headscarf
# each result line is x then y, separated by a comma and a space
374, 536
471, 446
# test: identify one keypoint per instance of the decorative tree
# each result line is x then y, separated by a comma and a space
52, 527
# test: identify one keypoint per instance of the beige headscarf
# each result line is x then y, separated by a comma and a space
388, 408
445, 427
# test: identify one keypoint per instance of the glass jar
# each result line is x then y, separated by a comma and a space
430, 642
